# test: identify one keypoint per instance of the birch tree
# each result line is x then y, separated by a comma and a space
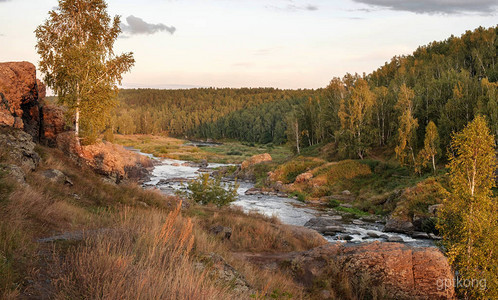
75, 45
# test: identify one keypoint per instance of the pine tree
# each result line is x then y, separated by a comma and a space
76, 48
468, 219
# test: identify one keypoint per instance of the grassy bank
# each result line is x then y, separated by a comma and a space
127, 243
227, 152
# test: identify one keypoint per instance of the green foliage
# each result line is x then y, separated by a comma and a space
429, 153
299, 195
468, 219
416, 200
446, 82
253, 115
333, 203
205, 190
76, 48
352, 210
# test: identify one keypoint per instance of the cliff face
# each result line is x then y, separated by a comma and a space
22, 105
20, 96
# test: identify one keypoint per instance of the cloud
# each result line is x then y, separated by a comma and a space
436, 6
139, 26
294, 7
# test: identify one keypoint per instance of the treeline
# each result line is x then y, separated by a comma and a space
448, 83
195, 112
263, 124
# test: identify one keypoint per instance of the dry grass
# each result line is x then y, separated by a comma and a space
130, 250
254, 232
288, 171
148, 257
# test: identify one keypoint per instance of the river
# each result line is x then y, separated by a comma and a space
171, 175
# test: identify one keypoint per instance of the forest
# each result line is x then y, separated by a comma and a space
443, 84
250, 114
447, 82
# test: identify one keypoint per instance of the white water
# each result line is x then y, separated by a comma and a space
288, 210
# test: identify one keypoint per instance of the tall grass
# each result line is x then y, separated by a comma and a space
146, 257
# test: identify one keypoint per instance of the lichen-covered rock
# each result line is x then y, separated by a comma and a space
18, 146
55, 175
115, 161
256, 159
15, 172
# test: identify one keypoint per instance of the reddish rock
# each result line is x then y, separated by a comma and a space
19, 95
115, 161
303, 177
42, 89
403, 271
53, 124
256, 159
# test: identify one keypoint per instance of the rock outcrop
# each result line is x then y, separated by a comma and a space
18, 147
20, 97
115, 161
256, 159
22, 105
402, 271
52, 125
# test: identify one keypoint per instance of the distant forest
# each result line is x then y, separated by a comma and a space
249, 114
447, 82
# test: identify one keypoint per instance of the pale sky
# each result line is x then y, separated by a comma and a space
256, 43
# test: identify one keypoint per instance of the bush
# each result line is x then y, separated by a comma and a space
204, 190
234, 152
333, 203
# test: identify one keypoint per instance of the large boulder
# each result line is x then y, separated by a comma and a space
115, 161
256, 159
20, 97
398, 225
401, 271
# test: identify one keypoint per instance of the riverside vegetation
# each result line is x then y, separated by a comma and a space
419, 131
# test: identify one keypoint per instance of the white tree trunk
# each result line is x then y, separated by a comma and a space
297, 137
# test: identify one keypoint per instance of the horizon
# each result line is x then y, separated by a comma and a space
282, 44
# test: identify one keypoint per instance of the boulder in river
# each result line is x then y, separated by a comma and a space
420, 235
395, 239
399, 226
324, 225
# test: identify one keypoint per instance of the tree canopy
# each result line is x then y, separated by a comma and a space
469, 222
75, 45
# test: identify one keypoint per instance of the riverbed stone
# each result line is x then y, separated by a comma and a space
420, 235
395, 239
372, 234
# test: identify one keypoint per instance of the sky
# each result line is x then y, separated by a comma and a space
255, 43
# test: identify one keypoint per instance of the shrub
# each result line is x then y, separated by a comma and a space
234, 152
204, 190
333, 203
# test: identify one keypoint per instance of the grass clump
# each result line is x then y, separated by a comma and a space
288, 171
